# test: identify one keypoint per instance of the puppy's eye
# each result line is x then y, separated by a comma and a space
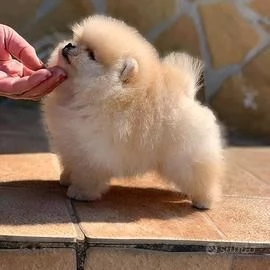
91, 54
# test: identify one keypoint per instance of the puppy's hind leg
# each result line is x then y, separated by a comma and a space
199, 180
205, 187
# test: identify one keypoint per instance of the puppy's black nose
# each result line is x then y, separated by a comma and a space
69, 46
66, 49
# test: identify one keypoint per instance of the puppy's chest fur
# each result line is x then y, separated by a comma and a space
123, 140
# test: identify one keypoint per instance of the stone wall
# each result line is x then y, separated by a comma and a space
232, 37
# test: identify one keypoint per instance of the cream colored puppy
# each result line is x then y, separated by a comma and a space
123, 111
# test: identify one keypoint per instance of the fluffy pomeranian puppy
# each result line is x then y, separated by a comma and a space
124, 111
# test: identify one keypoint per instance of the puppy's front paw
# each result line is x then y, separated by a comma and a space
64, 178
202, 205
205, 202
82, 195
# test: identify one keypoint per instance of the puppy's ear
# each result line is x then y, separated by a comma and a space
130, 68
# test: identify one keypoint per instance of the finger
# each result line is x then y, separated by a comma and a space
17, 85
4, 54
27, 71
12, 67
21, 49
3, 75
15, 68
47, 86
35, 93
38, 92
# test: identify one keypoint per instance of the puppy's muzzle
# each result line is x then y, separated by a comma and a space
66, 51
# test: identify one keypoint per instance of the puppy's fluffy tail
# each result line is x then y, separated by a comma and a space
190, 68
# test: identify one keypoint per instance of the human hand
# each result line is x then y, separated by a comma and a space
24, 77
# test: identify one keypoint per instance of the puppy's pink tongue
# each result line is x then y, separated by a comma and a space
58, 72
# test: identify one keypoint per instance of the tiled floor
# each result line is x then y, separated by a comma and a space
138, 224
47, 258
140, 213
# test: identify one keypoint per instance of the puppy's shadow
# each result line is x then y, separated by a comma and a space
121, 204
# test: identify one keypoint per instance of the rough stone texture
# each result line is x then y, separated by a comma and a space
44, 259
59, 19
266, 27
243, 218
39, 18
229, 36
239, 181
32, 170
251, 263
254, 160
181, 36
227, 32
243, 102
10, 9
261, 6
142, 14
130, 259
35, 215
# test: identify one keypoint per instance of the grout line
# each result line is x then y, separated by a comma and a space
81, 243
75, 220
194, 13
251, 173
195, 16
213, 224
214, 77
246, 197
165, 24
231, 261
76, 217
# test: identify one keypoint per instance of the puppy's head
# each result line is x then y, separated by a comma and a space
106, 56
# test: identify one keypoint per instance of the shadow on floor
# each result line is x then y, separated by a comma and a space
41, 202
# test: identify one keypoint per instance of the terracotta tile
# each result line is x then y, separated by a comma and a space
251, 263
28, 169
239, 181
131, 259
49, 259
128, 212
33, 215
255, 160
243, 219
